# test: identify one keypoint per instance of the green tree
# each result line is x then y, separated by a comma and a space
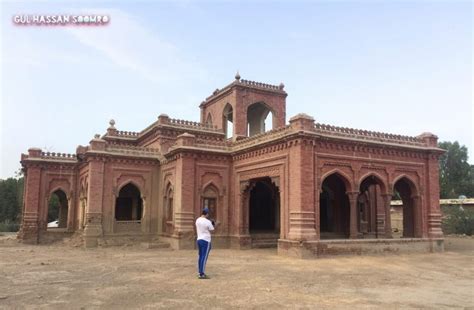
456, 176
11, 201
53, 208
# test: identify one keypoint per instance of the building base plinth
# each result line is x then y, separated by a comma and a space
323, 248
241, 242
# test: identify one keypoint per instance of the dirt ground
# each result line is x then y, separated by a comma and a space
64, 277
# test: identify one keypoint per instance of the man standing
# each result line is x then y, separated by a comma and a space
203, 228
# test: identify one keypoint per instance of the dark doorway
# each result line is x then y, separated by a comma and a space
404, 189
128, 205
371, 216
334, 209
264, 207
57, 210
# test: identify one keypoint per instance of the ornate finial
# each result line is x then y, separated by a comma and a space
281, 86
237, 76
112, 123
96, 136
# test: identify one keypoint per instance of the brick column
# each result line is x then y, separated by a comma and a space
432, 186
302, 183
434, 210
29, 230
95, 193
417, 214
387, 198
353, 232
185, 190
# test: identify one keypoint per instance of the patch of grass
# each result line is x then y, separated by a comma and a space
457, 220
8, 226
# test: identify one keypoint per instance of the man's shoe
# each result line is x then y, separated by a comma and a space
203, 276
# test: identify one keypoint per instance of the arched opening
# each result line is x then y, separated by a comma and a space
264, 207
371, 207
227, 121
129, 204
404, 216
209, 200
57, 210
334, 208
209, 119
168, 210
259, 119
82, 207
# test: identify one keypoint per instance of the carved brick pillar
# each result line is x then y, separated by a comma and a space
71, 206
417, 214
95, 195
301, 189
243, 216
377, 202
434, 210
185, 190
387, 198
431, 202
353, 232
29, 231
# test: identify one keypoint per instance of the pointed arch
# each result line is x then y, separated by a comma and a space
256, 115
334, 206
131, 182
410, 181
375, 178
209, 119
344, 177
129, 202
211, 184
58, 208
407, 217
168, 208
228, 120
58, 188
210, 199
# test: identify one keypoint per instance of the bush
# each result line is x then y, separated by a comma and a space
7, 226
457, 220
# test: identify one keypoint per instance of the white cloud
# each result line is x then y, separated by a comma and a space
127, 42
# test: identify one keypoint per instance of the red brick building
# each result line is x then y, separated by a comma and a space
310, 188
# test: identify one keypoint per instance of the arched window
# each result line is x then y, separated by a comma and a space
128, 205
209, 200
168, 210
209, 119
227, 121
259, 119
169, 204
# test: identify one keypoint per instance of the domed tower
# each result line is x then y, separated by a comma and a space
245, 105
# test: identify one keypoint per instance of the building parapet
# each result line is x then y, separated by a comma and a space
38, 154
367, 135
60, 156
245, 83
128, 134
191, 125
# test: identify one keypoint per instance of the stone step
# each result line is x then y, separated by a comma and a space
263, 241
264, 245
155, 245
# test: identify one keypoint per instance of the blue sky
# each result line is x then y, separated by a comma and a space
402, 67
